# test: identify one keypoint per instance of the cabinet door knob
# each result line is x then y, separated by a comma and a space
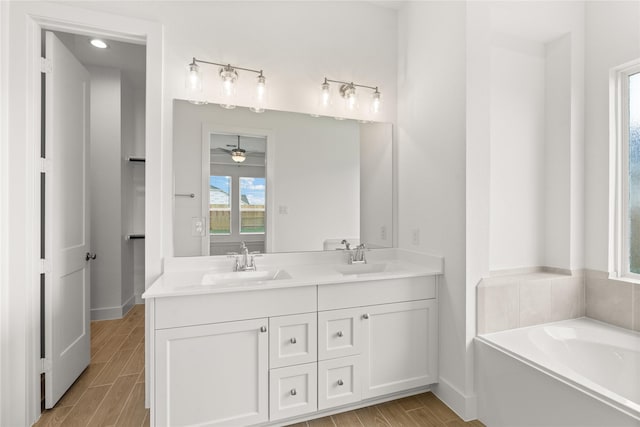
340, 382
293, 340
293, 392
263, 329
365, 316
339, 333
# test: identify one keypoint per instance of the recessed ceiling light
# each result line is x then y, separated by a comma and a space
100, 44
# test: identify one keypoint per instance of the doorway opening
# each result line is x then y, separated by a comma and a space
115, 193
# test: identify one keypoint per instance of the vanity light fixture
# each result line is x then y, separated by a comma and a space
348, 93
229, 75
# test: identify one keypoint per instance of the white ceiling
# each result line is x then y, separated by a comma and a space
128, 57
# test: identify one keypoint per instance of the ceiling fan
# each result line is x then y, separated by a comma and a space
238, 154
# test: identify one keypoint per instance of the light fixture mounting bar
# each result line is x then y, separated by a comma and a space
351, 83
226, 65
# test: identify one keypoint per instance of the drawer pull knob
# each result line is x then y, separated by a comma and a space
340, 382
340, 333
365, 316
263, 329
293, 392
293, 340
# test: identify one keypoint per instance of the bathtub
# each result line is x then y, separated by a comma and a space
571, 373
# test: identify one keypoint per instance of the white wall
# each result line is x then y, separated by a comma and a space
5, 381
612, 38
137, 224
376, 184
431, 149
316, 163
517, 153
127, 142
556, 172
106, 187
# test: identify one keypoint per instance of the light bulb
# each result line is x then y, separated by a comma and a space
375, 102
325, 94
193, 82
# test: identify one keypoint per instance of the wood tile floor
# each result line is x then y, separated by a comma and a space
424, 410
110, 392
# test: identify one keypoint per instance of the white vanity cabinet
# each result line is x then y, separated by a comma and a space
263, 356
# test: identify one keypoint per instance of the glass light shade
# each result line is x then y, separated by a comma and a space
375, 102
229, 77
260, 95
325, 95
238, 155
193, 81
350, 98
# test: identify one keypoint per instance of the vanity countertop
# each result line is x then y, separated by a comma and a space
186, 276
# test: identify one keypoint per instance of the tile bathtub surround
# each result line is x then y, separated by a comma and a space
531, 298
612, 301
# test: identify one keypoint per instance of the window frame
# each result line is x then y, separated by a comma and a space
619, 249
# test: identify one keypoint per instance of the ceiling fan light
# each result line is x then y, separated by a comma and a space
238, 155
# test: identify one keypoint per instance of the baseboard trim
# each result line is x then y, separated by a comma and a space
108, 313
465, 406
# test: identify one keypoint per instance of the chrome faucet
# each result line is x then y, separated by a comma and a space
346, 244
358, 257
247, 262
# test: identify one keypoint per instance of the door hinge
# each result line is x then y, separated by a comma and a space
45, 165
45, 65
45, 266
45, 366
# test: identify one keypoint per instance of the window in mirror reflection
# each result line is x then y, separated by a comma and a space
220, 205
252, 204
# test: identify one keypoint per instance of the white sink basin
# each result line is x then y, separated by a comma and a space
350, 269
244, 277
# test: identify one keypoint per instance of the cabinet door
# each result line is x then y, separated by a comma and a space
399, 347
213, 374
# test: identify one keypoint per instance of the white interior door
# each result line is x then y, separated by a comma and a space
67, 327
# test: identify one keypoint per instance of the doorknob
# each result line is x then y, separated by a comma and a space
90, 256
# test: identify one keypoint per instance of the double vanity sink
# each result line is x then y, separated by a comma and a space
302, 336
268, 275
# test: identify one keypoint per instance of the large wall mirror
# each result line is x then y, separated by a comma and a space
278, 181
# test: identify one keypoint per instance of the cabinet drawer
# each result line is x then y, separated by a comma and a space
338, 382
293, 391
339, 333
344, 295
293, 340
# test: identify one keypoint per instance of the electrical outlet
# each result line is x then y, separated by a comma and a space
283, 210
383, 232
197, 226
415, 236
